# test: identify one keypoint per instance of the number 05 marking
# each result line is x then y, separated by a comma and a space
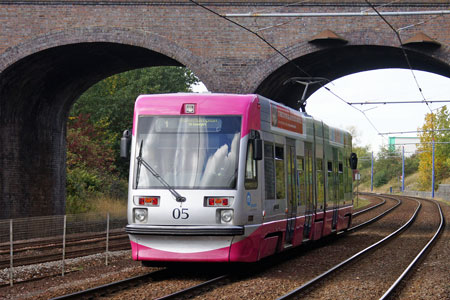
180, 213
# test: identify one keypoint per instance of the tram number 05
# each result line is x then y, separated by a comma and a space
180, 213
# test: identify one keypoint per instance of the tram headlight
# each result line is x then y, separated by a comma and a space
140, 215
226, 215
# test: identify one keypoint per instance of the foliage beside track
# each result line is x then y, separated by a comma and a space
95, 170
436, 121
387, 167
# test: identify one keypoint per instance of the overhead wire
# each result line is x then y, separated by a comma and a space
252, 32
396, 102
407, 61
417, 131
403, 51
281, 54
279, 24
419, 23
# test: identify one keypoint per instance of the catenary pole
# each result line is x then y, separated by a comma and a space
371, 175
403, 169
432, 174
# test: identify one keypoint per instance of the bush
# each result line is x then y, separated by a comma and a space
380, 178
81, 185
84, 187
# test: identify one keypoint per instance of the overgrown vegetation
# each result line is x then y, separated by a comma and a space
436, 127
387, 166
388, 162
95, 172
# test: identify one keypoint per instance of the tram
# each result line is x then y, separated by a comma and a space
232, 178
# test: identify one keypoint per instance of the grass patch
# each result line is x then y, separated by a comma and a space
359, 202
103, 204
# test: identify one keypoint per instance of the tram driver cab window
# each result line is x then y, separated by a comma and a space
251, 174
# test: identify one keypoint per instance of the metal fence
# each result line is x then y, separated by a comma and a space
58, 233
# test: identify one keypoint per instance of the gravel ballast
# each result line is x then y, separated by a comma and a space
429, 281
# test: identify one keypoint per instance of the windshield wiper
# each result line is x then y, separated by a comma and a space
141, 161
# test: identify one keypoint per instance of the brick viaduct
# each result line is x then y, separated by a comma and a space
51, 51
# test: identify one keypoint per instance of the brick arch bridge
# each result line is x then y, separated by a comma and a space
53, 50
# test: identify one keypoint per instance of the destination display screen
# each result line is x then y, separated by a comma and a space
188, 124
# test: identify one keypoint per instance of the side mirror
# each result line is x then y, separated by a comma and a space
353, 161
257, 149
125, 142
257, 145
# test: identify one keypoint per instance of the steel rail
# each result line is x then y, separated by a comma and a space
389, 292
30, 260
357, 255
373, 219
69, 243
57, 240
113, 286
369, 208
193, 288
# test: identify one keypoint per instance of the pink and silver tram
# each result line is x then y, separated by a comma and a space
232, 178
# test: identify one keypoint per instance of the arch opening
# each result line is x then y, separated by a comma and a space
36, 94
333, 63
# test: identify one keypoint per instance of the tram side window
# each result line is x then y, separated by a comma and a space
301, 179
251, 174
320, 183
269, 171
341, 181
280, 172
331, 194
330, 167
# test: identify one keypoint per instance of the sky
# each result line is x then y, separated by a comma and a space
378, 85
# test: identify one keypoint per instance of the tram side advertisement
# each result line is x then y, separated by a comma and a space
283, 119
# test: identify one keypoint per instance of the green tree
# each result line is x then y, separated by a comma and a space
90, 163
364, 156
89, 145
95, 125
387, 166
113, 98
434, 121
111, 101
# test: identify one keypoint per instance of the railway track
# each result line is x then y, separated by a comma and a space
46, 250
27, 253
206, 285
149, 280
376, 212
309, 288
42, 243
213, 286
43, 258
381, 201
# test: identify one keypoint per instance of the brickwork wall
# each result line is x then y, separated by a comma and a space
235, 56
46, 62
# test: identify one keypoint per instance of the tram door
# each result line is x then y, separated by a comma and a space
292, 195
309, 200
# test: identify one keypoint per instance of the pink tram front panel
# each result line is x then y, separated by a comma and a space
207, 208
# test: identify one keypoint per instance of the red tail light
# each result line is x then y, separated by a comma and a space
217, 201
148, 201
